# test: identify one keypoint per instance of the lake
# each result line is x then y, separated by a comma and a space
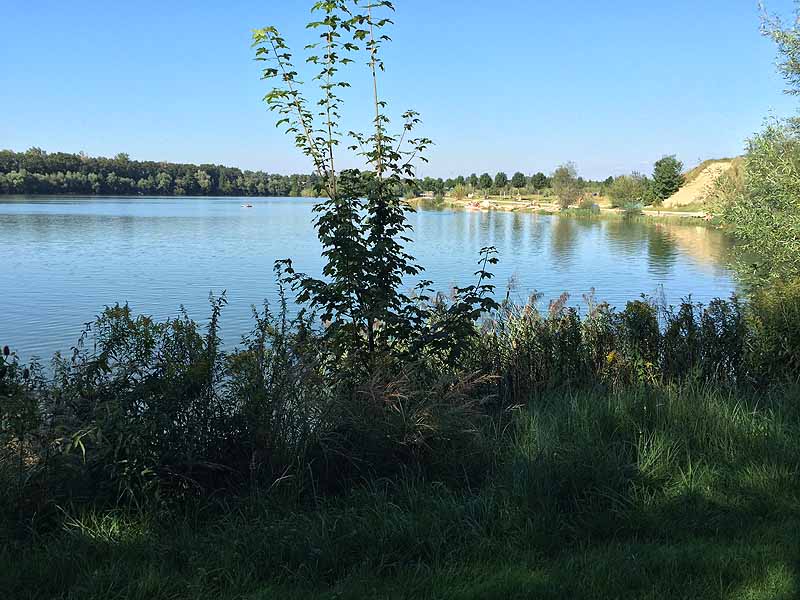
65, 258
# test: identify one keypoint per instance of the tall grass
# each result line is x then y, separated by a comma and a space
591, 494
144, 413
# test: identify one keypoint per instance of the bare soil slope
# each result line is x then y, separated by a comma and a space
699, 185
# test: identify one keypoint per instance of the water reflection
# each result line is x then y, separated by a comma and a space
626, 238
662, 250
563, 242
65, 259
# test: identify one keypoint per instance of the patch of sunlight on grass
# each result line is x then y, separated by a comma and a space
111, 527
779, 583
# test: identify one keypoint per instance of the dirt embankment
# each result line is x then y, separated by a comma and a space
699, 185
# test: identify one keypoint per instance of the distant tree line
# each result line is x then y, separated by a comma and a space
38, 172
501, 183
485, 182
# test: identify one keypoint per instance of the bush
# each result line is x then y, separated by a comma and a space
761, 207
21, 429
706, 342
587, 203
145, 412
630, 211
629, 190
774, 333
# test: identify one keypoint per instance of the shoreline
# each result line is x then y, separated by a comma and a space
552, 208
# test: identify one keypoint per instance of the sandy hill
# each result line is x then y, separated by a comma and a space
699, 183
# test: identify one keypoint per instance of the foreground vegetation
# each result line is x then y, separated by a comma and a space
759, 203
759, 199
645, 453
685, 492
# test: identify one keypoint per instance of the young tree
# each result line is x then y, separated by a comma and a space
518, 180
566, 185
667, 177
362, 223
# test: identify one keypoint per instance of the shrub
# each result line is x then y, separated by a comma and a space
629, 190
530, 352
761, 207
632, 210
587, 203
144, 398
706, 342
459, 192
774, 334
681, 342
21, 424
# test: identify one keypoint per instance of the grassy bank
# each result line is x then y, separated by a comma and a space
645, 453
678, 492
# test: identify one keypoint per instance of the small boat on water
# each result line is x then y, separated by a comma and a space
247, 206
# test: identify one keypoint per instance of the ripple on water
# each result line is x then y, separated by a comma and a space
64, 259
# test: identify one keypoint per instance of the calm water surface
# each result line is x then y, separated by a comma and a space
64, 259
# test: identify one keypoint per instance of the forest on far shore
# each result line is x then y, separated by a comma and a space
38, 172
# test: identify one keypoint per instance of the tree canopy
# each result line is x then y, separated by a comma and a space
567, 185
539, 181
667, 177
38, 172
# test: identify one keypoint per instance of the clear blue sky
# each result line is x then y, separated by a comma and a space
515, 85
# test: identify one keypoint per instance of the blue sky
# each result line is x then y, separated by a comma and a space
518, 85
